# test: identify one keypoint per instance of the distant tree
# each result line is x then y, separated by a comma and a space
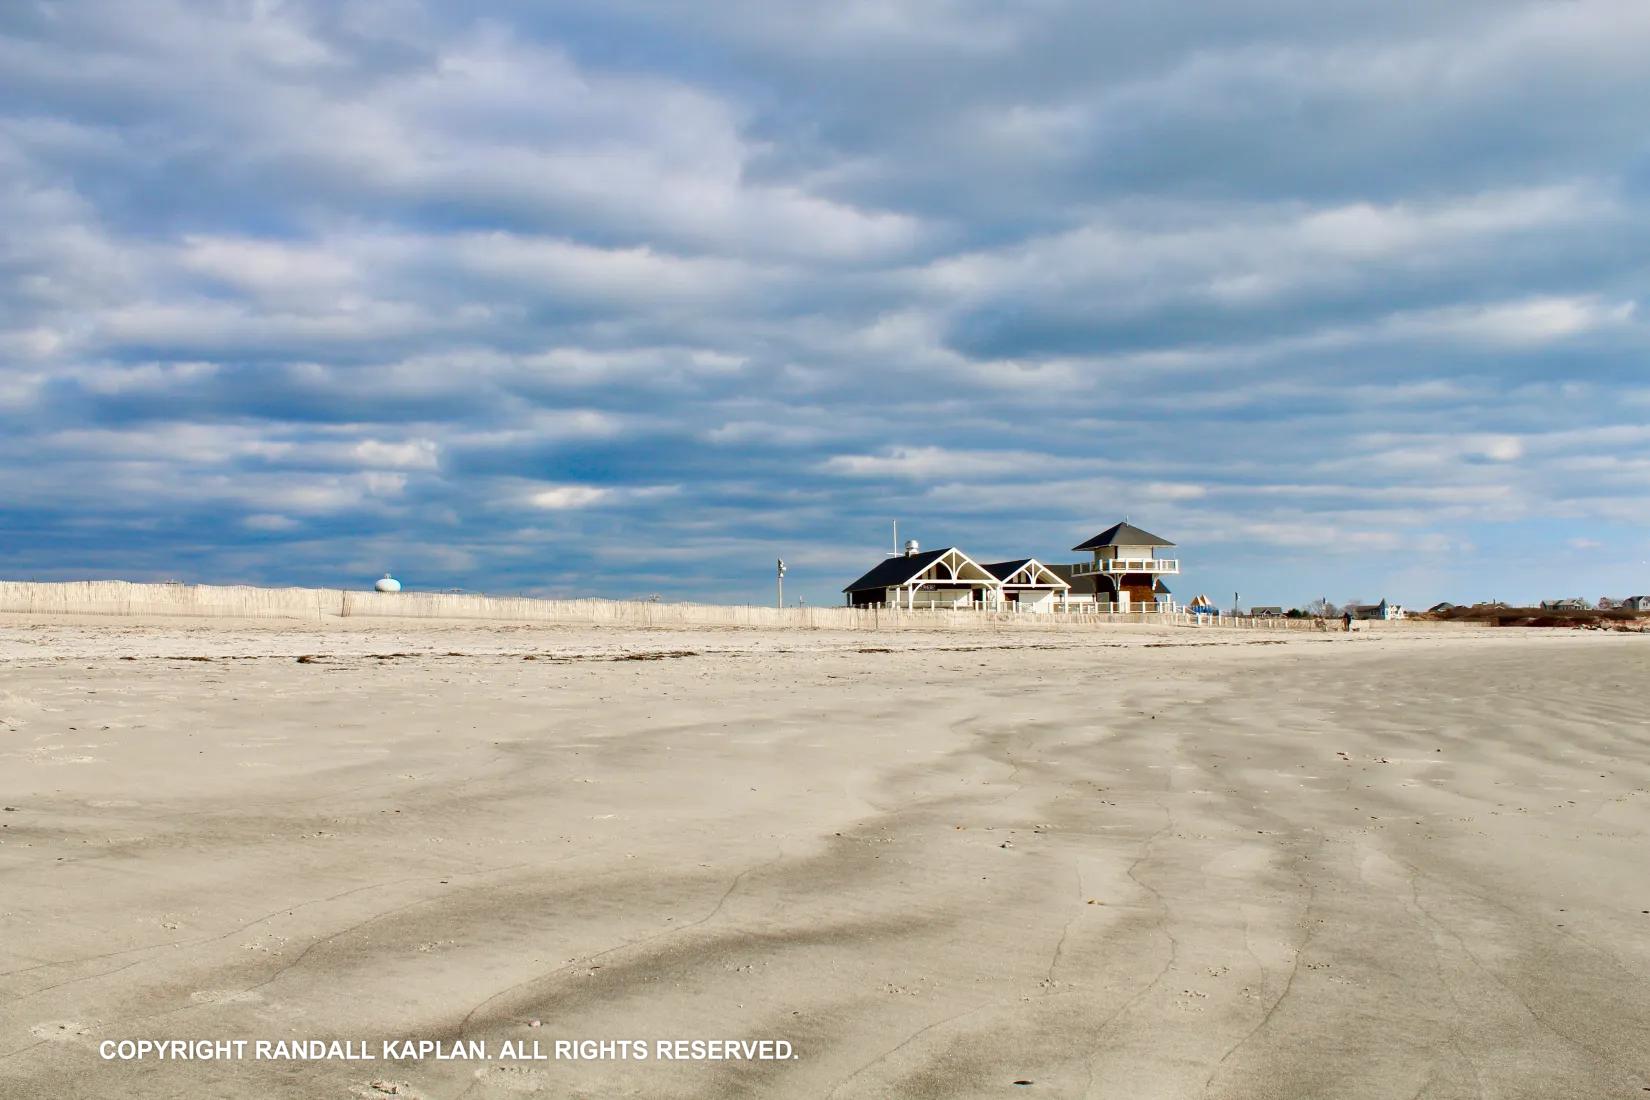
1321, 608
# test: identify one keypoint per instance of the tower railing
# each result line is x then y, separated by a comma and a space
1116, 566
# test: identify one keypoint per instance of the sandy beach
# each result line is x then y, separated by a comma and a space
1114, 863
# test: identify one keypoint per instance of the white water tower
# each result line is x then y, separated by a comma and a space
387, 583
911, 548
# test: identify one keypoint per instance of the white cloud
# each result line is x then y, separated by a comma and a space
271, 267
560, 497
944, 464
1245, 254
586, 273
420, 454
568, 497
1528, 322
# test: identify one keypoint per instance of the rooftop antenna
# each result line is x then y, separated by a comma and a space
895, 554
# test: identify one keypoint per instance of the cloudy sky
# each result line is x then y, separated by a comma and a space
624, 298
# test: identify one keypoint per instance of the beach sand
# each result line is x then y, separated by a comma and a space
1113, 863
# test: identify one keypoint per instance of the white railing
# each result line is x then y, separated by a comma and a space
1114, 566
1133, 613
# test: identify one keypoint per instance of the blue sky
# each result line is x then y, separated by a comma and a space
622, 298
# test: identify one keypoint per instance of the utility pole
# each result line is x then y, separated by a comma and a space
781, 579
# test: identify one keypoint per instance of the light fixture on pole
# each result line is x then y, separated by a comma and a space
781, 580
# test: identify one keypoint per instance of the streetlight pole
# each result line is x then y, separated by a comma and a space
781, 582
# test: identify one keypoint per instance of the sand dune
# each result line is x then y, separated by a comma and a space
1126, 863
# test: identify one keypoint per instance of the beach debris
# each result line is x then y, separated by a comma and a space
59, 1030
310, 658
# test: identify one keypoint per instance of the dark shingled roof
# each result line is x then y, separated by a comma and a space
1123, 534
896, 571
1088, 583
1003, 570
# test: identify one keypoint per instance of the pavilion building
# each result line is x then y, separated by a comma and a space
947, 579
1125, 574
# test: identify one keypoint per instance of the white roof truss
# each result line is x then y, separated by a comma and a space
955, 567
1034, 574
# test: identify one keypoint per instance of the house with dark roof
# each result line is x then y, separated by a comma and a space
1573, 603
945, 579
1029, 585
1125, 574
1636, 603
1383, 611
1266, 612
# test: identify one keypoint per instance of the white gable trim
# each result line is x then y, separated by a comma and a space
961, 568
1034, 574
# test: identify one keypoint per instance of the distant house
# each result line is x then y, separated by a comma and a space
945, 578
1439, 608
1028, 584
1266, 612
1382, 611
1126, 573
1636, 603
1575, 603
